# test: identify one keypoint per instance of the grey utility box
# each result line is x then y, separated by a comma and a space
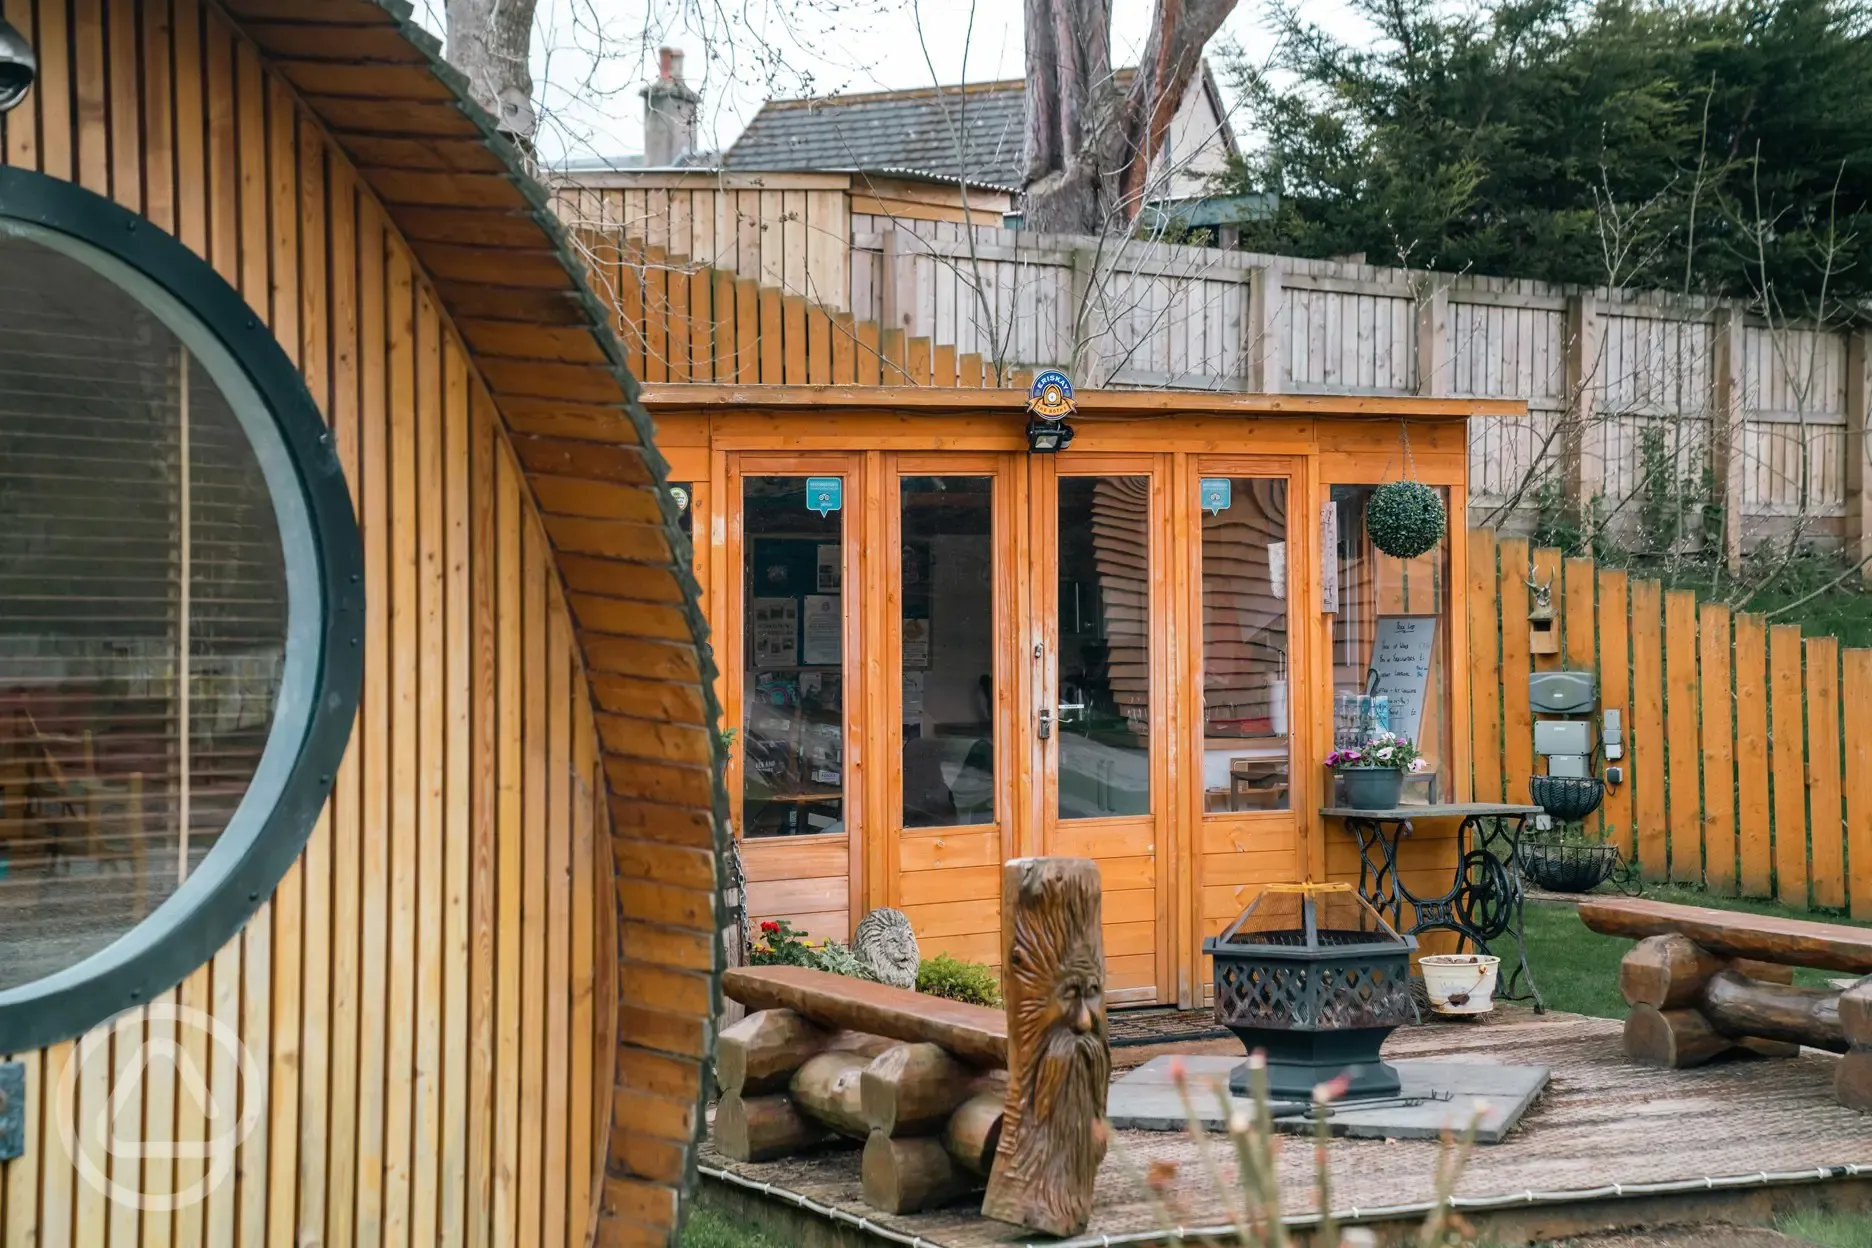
1563, 736
1562, 693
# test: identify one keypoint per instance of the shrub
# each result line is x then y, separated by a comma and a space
951, 977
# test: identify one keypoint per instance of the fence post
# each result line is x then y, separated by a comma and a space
1582, 368
1266, 345
1434, 362
1729, 409
1082, 333
1859, 448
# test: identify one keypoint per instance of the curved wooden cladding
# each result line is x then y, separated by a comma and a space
478, 1020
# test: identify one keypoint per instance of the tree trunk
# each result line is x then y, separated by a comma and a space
1089, 148
490, 41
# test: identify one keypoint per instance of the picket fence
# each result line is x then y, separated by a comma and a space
1748, 755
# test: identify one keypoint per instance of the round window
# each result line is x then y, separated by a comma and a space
171, 587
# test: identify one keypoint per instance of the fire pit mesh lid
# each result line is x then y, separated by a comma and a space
1310, 916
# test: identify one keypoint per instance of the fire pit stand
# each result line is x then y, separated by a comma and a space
1318, 998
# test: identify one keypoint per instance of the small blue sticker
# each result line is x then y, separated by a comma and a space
1216, 495
824, 494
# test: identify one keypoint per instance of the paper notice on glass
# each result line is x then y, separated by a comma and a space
1329, 558
828, 582
913, 696
776, 632
822, 629
1277, 569
916, 643
1402, 652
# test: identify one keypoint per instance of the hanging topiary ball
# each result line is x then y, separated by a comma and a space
1405, 518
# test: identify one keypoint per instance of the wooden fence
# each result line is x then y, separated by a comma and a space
1748, 752
1630, 394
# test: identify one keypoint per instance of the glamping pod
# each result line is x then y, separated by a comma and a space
358, 760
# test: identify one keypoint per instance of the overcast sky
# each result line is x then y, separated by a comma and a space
591, 56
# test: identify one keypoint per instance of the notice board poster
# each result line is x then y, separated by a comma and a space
776, 632
1400, 668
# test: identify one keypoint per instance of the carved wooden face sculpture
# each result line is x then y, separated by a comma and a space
1058, 1055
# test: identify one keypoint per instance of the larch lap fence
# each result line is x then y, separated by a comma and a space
1765, 418
1749, 747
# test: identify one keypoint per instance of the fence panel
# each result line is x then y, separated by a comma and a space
1753, 821
1647, 728
1745, 769
1827, 860
1856, 695
1718, 697
1787, 741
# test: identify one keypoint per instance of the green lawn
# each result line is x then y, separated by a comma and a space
1577, 969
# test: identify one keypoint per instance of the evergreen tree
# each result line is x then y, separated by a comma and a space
1717, 148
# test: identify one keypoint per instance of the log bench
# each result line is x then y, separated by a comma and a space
942, 1094
1702, 983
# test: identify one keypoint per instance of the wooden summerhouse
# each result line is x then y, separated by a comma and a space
358, 810
941, 647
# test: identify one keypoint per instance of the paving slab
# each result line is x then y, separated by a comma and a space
1436, 1095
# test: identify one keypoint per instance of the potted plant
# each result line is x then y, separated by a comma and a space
1374, 772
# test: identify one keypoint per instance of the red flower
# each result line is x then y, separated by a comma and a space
769, 926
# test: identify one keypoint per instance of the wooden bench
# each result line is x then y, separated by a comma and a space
1702, 983
942, 1094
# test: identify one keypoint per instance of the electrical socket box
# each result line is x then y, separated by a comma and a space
1615, 775
1562, 693
1562, 736
1612, 733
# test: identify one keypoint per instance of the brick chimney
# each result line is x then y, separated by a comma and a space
669, 113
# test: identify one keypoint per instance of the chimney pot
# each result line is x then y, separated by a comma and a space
669, 113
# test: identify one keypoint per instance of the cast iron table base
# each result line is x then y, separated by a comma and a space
1484, 902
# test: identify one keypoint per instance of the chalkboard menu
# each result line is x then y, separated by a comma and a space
1400, 668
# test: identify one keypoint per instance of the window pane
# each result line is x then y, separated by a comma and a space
1391, 646
142, 611
793, 768
1104, 660
948, 651
1244, 612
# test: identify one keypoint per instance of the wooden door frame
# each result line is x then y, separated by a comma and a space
1302, 607
857, 468
1009, 474
1042, 666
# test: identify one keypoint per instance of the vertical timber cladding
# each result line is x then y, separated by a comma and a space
466, 980
1205, 862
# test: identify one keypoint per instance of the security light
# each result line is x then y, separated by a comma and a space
18, 67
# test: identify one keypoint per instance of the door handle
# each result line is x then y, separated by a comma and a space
1046, 724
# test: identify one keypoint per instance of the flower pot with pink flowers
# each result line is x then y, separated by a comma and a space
1373, 773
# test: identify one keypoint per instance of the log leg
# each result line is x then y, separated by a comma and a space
907, 1175
1852, 1083
760, 1128
1738, 1006
974, 1132
1674, 1039
828, 1089
761, 1052
1666, 972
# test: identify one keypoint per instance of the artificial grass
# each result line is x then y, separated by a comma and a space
1577, 969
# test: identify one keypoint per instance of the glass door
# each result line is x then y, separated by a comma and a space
1101, 711
794, 781
949, 588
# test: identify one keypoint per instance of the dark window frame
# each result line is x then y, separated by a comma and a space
187, 930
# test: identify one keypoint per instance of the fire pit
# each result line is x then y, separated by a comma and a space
1314, 977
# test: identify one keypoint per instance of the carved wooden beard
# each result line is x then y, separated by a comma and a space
1059, 1056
